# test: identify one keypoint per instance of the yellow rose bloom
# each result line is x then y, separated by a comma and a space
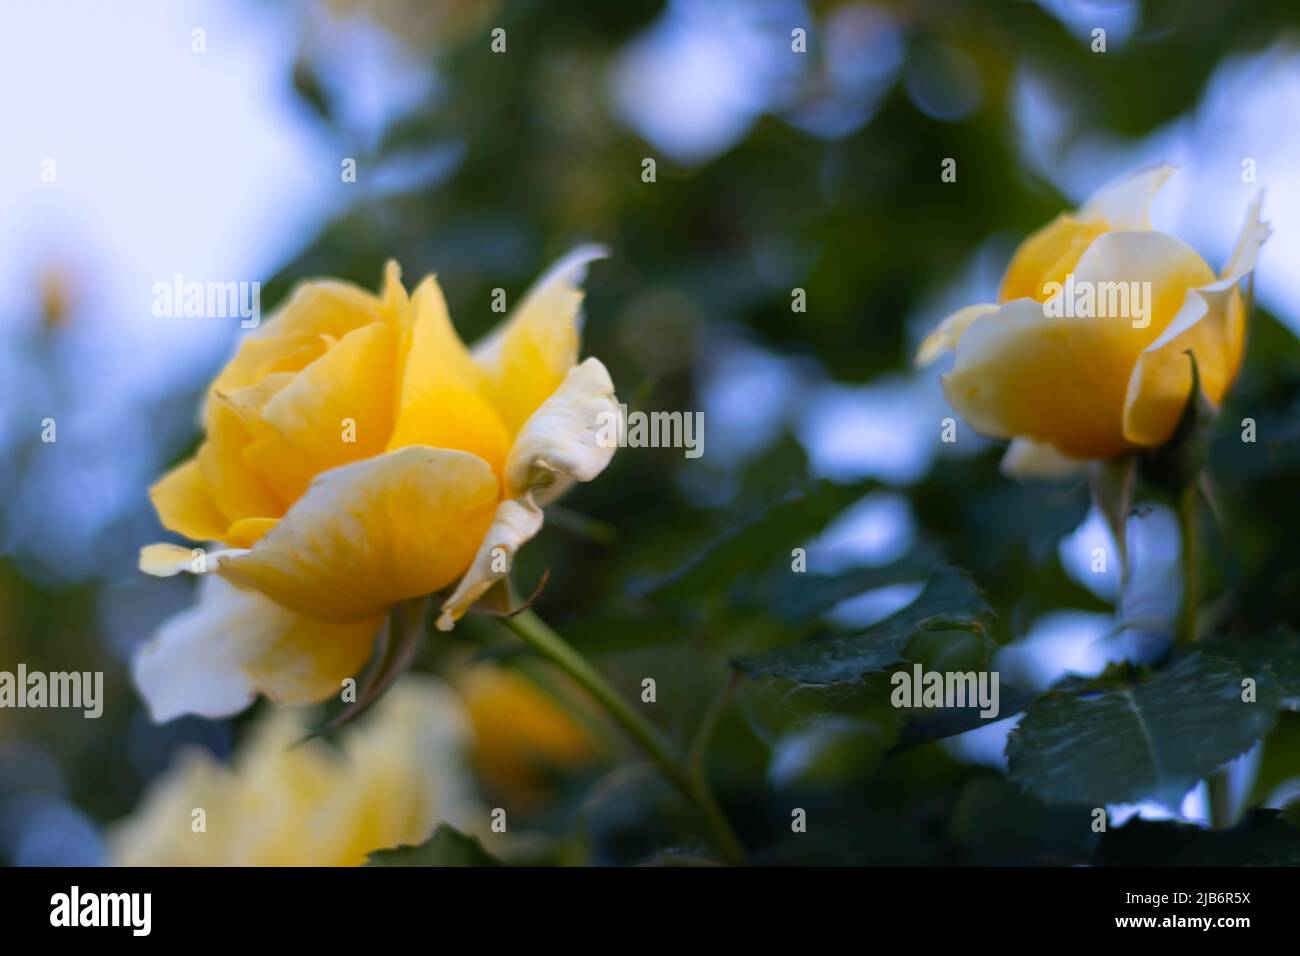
520, 733
1066, 384
358, 454
397, 776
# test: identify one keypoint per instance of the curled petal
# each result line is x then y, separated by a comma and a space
525, 359
517, 521
572, 435
948, 334
1212, 326
569, 438
1125, 202
215, 657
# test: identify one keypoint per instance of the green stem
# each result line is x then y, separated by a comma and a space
539, 636
1189, 548
1219, 793
704, 733
1218, 787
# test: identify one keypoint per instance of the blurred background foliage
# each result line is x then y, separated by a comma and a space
775, 171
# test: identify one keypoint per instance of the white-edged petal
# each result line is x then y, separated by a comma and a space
573, 434
1125, 202
517, 521
525, 359
1211, 325
571, 437
1026, 458
165, 560
949, 332
213, 658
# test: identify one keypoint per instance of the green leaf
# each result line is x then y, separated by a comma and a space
937, 723
798, 598
447, 847
1146, 741
949, 600
1279, 760
1276, 652
755, 543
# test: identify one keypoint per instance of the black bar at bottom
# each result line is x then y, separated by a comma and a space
308, 906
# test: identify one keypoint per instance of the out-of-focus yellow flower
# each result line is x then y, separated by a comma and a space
399, 774
421, 24
358, 454
1065, 375
58, 295
520, 734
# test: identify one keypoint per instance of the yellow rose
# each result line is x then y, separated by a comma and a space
1067, 384
399, 774
358, 454
520, 733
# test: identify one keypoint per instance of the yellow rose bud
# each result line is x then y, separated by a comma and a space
398, 775
1083, 356
359, 454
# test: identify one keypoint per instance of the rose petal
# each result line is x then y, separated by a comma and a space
948, 334
168, 560
373, 533
1063, 380
1125, 202
441, 404
564, 436
1212, 325
524, 360
559, 444
1032, 459
215, 657
300, 331
1048, 255
350, 382
516, 522
237, 490
185, 504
